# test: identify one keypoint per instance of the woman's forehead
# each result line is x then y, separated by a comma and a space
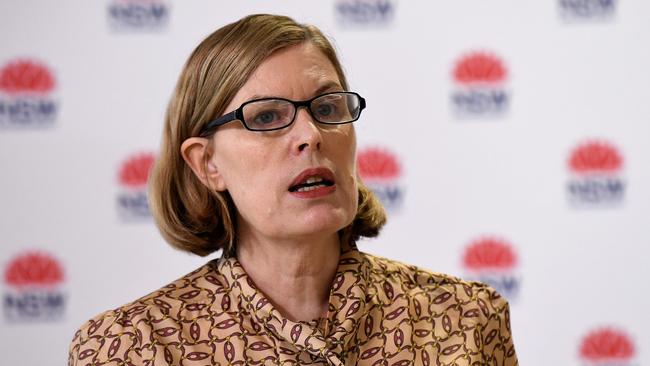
296, 72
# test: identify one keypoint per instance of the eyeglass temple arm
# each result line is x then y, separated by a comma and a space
221, 120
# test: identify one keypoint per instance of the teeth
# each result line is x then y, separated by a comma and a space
315, 179
310, 188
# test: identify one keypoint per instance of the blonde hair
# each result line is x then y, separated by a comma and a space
189, 215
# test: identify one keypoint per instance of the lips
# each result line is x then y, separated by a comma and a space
312, 179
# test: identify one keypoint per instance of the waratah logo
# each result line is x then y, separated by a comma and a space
607, 346
34, 281
587, 9
26, 88
494, 262
381, 171
133, 177
135, 15
480, 79
365, 12
595, 167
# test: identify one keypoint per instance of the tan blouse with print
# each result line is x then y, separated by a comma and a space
381, 312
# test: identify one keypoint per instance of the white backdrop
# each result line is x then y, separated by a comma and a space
476, 110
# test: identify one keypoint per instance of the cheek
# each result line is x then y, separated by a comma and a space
349, 142
346, 151
243, 179
342, 141
240, 164
354, 199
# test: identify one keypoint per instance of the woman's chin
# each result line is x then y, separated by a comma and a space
316, 224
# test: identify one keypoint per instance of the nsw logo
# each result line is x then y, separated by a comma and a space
136, 15
26, 95
494, 262
33, 282
133, 176
607, 346
595, 174
480, 79
579, 10
365, 12
381, 171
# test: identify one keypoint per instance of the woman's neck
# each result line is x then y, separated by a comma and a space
294, 275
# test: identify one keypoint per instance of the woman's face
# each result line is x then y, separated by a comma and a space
265, 172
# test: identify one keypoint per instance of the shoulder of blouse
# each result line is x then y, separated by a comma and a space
476, 304
413, 280
103, 335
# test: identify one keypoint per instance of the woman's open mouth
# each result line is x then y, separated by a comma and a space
312, 183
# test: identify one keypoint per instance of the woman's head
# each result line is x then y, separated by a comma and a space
205, 190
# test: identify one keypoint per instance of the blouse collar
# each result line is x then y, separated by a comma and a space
347, 303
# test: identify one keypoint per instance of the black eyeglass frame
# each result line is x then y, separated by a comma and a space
238, 114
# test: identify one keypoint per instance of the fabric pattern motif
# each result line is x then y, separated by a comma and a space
381, 312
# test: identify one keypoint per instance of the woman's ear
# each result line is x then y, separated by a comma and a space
193, 151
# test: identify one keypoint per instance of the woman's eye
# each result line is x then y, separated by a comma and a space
325, 110
265, 117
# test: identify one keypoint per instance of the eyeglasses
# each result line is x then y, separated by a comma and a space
268, 114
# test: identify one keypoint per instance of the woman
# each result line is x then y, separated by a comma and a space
258, 159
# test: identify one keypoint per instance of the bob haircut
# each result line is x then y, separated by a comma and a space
191, 216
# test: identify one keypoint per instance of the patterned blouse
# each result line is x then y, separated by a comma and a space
381, 312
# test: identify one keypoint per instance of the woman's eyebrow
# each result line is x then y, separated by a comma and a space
327, 87
331, 85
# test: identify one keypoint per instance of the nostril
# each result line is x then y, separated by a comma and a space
302, 146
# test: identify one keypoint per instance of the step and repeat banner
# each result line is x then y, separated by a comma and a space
509, 141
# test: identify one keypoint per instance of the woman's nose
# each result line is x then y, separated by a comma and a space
308, 135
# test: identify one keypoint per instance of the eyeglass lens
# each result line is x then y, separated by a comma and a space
277, 113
